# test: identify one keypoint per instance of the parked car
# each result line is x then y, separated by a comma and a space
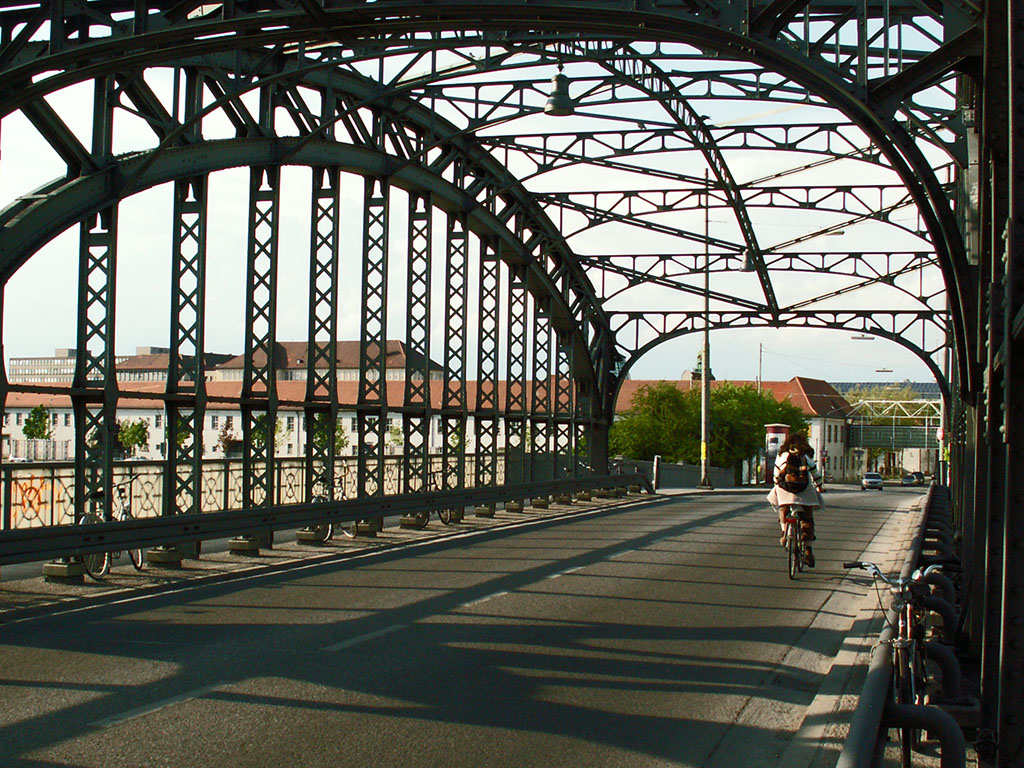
871, 480
913, 478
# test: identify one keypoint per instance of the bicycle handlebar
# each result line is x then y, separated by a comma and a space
917, 576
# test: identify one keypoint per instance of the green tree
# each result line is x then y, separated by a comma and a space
258, 435
132, 434
321, 433
665, 421
395, 436
37, 424
226, 439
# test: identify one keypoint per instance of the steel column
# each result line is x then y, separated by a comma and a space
417, 404
259, 385
321, 401
515, 385
488, 348
95, 394
186, 380
372, 407
541, 455
453, 405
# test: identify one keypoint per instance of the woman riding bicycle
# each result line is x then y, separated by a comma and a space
794, 472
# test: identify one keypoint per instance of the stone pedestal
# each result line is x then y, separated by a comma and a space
164, 557
583, 496
541, 502
370, 528
64, 572
601, 493
484, 510
513, 506
311, 536
563, 498
247, 546
634, 489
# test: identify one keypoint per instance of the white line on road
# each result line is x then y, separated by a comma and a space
363, 638
482, 599
131, 714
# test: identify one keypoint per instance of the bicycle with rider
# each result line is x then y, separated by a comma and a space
798, 485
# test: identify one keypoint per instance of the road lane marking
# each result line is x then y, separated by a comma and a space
363, 638
131, 714
483, 599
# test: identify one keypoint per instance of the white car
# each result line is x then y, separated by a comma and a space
871, 480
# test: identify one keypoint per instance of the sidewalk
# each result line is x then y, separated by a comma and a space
25, 598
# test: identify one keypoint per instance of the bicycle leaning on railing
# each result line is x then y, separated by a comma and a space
325, 531
97, 564
909, 673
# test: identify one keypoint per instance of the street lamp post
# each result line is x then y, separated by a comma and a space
705, 372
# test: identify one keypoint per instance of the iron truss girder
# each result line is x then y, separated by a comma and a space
669, 270
552, 151
832, 49
869, 201
637, 332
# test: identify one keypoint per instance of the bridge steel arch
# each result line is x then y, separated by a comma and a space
409, 58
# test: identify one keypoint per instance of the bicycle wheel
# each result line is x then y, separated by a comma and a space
445, 515
97, 564
135, 555
350, 528
904, 691
793, 550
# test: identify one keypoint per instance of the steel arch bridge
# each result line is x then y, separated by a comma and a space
539, 257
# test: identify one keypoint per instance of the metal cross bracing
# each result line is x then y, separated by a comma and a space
900, 114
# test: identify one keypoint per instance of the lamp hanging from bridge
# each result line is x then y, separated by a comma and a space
560, 103
749, 263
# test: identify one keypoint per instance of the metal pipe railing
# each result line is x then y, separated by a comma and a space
875, 710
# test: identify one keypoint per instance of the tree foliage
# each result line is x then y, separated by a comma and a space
37, 424
322, 433
665, 421
132, 434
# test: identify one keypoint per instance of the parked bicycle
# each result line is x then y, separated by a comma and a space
796, 548
325, 531
910, 675
422, 517
97, 564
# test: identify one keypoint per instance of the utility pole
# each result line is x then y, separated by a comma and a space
705, 373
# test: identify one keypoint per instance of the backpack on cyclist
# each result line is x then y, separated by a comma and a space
794, 476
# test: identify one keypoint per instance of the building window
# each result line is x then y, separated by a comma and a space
354, 426
67, 419
7, 418
291, 424
213, 421
157, 420
17, 418
229, 422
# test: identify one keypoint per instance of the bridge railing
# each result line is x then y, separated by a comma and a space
65, 541
40, 494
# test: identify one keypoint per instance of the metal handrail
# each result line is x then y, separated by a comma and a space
28, 545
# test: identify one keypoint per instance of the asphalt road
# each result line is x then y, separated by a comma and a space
664, 633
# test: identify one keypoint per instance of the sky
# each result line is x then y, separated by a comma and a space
39, 301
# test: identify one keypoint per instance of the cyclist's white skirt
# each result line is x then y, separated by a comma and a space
808, 497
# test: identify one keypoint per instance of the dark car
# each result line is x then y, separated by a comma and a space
871, 480
909, 480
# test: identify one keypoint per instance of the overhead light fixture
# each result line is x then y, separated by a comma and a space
862, 337
883, 370
560, 103
749, 264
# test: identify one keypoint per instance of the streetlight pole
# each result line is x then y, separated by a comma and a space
705, 373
